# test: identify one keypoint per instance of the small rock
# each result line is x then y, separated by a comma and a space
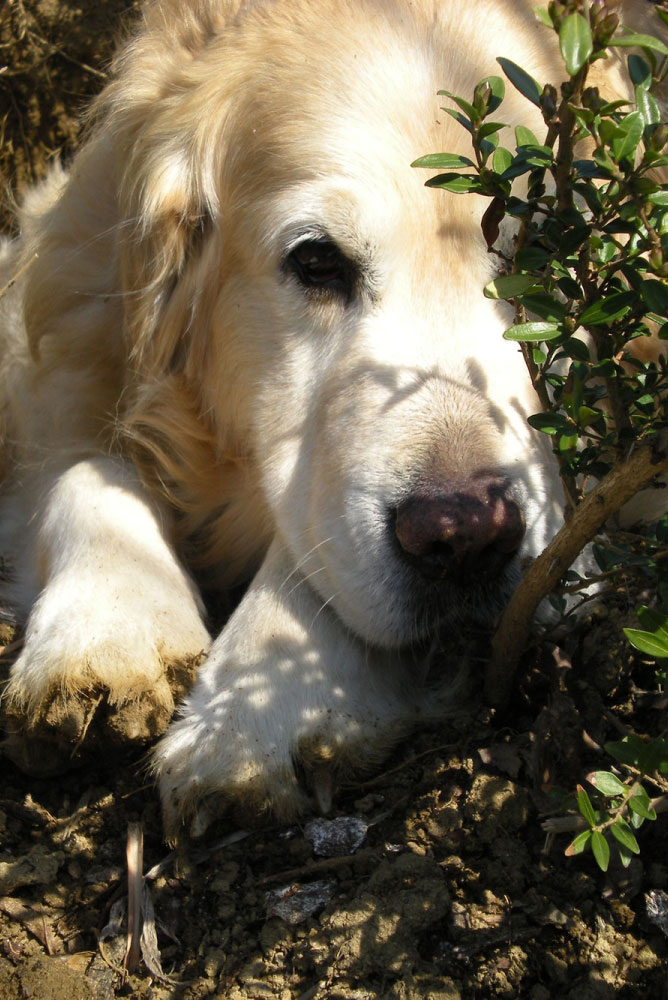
295, 903
335, 838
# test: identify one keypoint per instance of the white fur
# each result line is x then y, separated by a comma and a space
114, 604
174, 401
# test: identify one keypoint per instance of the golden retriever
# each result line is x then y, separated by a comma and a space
248, 344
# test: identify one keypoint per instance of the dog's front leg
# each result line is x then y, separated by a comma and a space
286, 693
115, 632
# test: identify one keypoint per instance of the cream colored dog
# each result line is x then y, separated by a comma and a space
248, 344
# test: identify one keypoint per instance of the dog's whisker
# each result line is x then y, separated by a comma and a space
322, 608
304, 579
303, 559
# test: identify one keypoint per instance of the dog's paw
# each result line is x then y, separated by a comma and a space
257, 752
205, 774
286, 704
99, 664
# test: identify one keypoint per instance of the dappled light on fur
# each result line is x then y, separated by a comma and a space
248, 341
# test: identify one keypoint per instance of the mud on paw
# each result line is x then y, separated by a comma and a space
64, 728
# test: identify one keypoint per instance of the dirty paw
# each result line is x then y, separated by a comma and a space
60, 731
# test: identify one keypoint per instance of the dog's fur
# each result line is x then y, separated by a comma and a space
178, 398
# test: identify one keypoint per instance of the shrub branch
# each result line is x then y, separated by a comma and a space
624, 480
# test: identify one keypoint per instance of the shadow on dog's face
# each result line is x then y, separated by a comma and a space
363, 373
390, 418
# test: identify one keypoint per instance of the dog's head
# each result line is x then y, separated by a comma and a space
288, 274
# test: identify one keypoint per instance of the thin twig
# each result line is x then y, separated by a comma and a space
313, 867
134, 853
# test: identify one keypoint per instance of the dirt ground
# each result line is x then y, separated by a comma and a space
454, 890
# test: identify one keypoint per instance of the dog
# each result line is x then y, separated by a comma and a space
247, 345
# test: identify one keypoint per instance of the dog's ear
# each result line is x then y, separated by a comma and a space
165, 219
113, 245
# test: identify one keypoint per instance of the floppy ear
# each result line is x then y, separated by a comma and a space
126, 261
164, 222
112, 244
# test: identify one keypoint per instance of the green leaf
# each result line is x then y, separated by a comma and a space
647, 106
599, 845
459, 183
442, 161
459, 117
607, 310
578, 845
654, 756
591, 195
655, 294
508, 286
606, 783
532, 332
639, 41
640, 804
575, 42
487, 146
647, 642
543, 16
636, 820
490, 127
645, 403
521, 80
532, 258
627, 136
588, 417
590, 170
585, 806
622, 833
602, 159
624, 856
570, 287
575, 348
536, 156
568, 442
525, 137
550, 423
640, 71
501, 160
466, 107
518, 167
653, 620
626, 751
659, 198
545, 306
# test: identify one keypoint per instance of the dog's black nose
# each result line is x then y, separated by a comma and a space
473, 528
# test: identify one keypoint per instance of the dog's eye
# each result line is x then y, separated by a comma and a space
320, 266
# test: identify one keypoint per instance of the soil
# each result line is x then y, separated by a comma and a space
455, 891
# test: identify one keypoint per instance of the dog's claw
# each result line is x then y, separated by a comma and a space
322, 783
201, 821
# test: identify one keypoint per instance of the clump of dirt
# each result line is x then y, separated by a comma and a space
455, 891
451, 895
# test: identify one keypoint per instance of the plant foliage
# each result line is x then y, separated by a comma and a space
587, 275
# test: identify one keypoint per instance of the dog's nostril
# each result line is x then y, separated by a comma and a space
474, 528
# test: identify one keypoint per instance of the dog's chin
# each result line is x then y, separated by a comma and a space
448, 611
436, 612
